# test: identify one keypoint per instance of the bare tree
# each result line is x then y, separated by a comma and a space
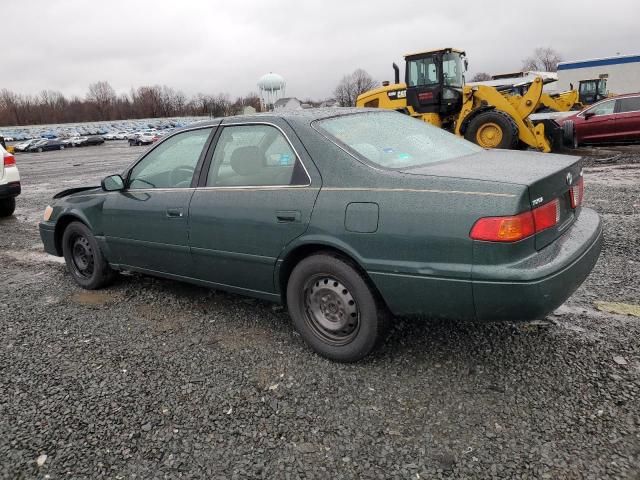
353, 85
544, 59
103, 96
481, 77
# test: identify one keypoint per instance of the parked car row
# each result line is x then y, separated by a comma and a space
44, 144
113, 130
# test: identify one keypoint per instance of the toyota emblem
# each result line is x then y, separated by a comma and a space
569, 178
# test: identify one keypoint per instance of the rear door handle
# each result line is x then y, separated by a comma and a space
175, 212
288, 216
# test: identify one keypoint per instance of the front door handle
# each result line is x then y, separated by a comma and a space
288, 216
175, 212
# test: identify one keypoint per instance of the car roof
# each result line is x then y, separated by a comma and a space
304, 116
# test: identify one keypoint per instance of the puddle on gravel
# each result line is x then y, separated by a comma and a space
93, 298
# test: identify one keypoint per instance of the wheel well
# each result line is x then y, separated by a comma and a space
300, 253
61, 226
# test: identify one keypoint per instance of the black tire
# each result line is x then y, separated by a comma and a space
325, 290
568, 134
40, 150
84, 259
7, 207
507, 126
61, 147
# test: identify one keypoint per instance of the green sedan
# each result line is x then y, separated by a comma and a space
345, 216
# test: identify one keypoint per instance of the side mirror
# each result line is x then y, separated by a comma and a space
112, 183
588, 115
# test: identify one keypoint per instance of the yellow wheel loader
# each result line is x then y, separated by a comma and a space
435, 92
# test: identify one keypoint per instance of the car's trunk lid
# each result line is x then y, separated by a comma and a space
547, 177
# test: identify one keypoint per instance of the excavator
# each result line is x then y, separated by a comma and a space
434, 91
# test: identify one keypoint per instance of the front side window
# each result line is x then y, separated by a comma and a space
394, 140
172, 163
422, 72
254, 155
604, 108
630, 104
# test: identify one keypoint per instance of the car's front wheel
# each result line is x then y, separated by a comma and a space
334, 309
84, 258
7, 207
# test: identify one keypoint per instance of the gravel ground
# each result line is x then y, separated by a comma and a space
155, 379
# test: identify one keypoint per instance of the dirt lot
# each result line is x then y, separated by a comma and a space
156, 379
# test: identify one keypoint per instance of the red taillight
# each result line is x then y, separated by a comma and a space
9, 160
577, 193
547, 215
517, 227
504, 229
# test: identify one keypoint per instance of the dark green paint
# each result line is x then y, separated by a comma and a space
408, 230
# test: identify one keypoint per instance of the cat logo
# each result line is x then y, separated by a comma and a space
397, 94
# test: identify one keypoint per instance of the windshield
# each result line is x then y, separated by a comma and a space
394, 140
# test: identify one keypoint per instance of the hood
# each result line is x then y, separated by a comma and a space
71, 191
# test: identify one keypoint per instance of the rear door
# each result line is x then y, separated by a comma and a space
597, 124
255, 196
628, 118
147, 225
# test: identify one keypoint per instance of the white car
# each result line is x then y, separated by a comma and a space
9, 183
23, 146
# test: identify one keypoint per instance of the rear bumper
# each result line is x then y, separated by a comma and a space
9, 190
561, 268
48, 236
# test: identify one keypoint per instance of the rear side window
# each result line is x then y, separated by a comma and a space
254, 155
631, 104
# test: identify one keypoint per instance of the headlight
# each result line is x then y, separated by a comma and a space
47, 213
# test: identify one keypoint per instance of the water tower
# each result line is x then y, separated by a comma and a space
272, 88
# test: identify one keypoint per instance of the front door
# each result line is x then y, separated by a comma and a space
147, 225
598, 123
255, 198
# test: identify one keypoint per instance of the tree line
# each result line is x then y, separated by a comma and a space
102, 103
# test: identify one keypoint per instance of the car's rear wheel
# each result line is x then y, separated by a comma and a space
83, 257
334, 309
39, 150
7, 207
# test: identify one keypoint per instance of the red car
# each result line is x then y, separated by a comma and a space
612, 120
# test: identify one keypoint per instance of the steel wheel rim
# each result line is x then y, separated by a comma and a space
489, 135
330, 310
82, 256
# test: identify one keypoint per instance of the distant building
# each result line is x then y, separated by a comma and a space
621, 73
288, 103
248, 110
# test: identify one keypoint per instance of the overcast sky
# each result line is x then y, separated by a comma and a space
225, 46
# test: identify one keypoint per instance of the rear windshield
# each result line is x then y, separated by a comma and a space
394, 140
